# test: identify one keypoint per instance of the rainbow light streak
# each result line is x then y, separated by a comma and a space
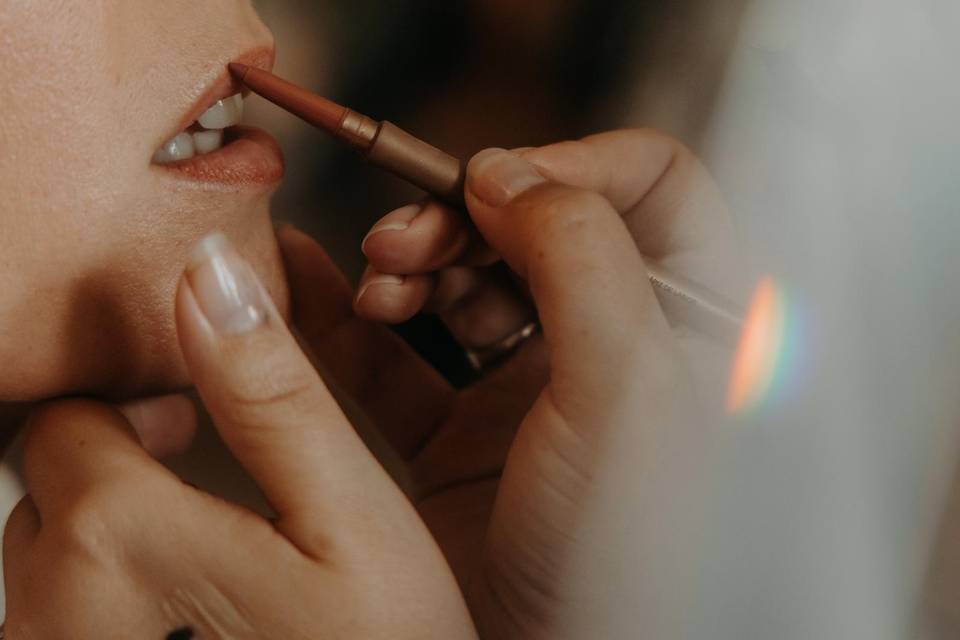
767, 351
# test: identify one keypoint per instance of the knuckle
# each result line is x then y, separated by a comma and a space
99, 504
275, 378
683, 161
636, 146
95, 517
567, 211
86, 524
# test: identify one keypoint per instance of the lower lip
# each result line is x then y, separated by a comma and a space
249, 156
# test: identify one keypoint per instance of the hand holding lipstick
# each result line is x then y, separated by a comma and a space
516, 466
443, 176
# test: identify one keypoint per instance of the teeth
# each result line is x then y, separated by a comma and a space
225, 113
180, 148
207, 141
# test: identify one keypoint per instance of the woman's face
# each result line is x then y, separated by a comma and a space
94, 234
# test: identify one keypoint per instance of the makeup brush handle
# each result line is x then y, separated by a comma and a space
686, 302
423, 165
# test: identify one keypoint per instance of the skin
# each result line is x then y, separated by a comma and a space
346, 557
512, 477
557, 413
95, 238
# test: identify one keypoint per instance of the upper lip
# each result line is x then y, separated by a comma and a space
224, 86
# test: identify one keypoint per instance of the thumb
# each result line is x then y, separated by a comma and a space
272, 409
587, 278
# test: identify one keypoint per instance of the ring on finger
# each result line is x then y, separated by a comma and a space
485, 358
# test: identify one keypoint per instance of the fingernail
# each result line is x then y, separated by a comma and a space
225, 287
496, 176
394, 221
379, 279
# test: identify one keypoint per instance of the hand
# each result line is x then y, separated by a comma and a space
575, 221
109, 544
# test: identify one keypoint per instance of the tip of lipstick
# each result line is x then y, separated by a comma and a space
238, 70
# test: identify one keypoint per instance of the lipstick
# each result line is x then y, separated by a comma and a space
442, 175
381, 143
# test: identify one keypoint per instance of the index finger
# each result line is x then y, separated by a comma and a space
668, 200
73, 448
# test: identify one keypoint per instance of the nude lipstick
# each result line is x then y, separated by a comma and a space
443, 176
382, 143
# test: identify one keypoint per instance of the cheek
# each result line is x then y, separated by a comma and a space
58, 133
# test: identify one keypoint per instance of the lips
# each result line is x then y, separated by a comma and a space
249, 156
209, 146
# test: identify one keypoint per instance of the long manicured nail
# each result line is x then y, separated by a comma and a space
394, 221
378, 280
496, 176
225, 287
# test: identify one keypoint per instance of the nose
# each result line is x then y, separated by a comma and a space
233, 27
256, 36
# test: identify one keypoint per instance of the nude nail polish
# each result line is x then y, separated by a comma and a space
225, 287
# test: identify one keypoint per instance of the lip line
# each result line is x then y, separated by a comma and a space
224, 86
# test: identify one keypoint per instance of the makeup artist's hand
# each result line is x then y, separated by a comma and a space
573, 220
110, 544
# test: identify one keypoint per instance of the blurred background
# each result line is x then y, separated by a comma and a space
831, 127
471, 74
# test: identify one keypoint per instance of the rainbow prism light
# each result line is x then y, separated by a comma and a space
767, 352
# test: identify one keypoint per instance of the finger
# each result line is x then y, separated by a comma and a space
584, 271
421, 238
273, 411
72, 448
451, 286
428, 239
671, 205
623, 166
21, 530
481, 307
397, 389
390, 298
165, 425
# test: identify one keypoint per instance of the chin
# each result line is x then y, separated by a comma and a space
111, 334
150, 361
